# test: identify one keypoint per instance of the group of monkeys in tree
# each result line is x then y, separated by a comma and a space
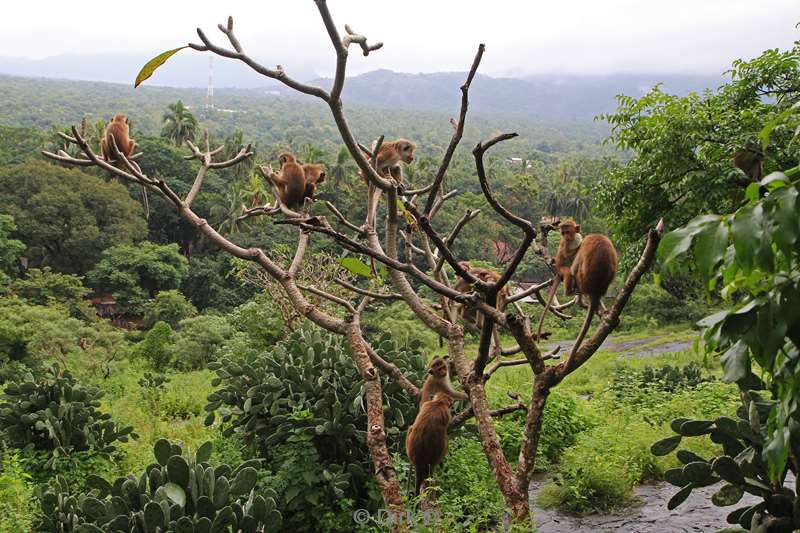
585, 265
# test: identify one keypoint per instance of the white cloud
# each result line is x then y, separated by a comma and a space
566, 36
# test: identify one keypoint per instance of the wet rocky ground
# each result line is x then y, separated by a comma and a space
647, 514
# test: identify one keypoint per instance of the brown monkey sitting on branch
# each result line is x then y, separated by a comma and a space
426, 442
568, 247
439, 381
295, 182
594, 269
487, 275
118, 130
390, 155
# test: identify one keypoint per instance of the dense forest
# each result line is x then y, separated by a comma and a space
157, 375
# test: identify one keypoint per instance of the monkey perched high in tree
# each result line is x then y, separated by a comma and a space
117, 131
295, 182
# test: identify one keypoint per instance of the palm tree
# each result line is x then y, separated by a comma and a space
227, 212
179, 124
343, 166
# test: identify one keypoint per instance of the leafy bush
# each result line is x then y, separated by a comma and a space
599, 471
16, 495
45, 287
261, 321
741, 467
652, 306
400, 322
469, 497
308, 385
629, 382
168, 306
56, 414
198, 340
310, 492
561, 424
174, 494
154, 348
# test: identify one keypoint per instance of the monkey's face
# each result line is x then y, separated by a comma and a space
406, 150
438, 368
568, 231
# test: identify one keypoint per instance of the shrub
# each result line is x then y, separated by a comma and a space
469, 497
740, 467
561, 424
628, 384
652, 306
16, 495
198, 340
261, 321
154, 348
168, 306
309, 385
402, 325
599, 471
174, 494
58, 415
44, 287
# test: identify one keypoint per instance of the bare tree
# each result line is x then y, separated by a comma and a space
436, 249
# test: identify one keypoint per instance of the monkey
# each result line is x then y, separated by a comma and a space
750, 161
295, 182
387, 162
314, 175
119, 129
426, 441
486, 275
593, 268
568, 247
438, 381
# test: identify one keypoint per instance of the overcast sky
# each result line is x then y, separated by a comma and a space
560, 36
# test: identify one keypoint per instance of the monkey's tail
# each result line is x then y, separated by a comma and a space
550, 298
594, 304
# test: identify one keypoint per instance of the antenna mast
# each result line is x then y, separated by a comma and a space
210, 91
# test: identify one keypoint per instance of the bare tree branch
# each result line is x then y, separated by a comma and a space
459, 132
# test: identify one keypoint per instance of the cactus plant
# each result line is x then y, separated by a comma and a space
58, 414
309, 384
175, 494
741, 468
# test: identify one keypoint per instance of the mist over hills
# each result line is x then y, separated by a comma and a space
549, 97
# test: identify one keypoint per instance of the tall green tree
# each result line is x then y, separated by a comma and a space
179, 124
134, 274
682, 146
10, 249
67, 217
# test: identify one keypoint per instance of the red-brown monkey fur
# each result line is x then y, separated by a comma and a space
439, 381
315, 174
426, 442
487, 275
390, 155
593, 269
567, 250
296, 182
118, 129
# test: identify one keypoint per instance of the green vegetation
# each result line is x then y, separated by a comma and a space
195, 350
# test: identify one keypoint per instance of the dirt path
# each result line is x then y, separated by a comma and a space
648, 515
645, 347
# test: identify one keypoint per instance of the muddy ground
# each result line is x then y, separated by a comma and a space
648, 513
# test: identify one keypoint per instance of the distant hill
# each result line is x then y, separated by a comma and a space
552, 97
559, 98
